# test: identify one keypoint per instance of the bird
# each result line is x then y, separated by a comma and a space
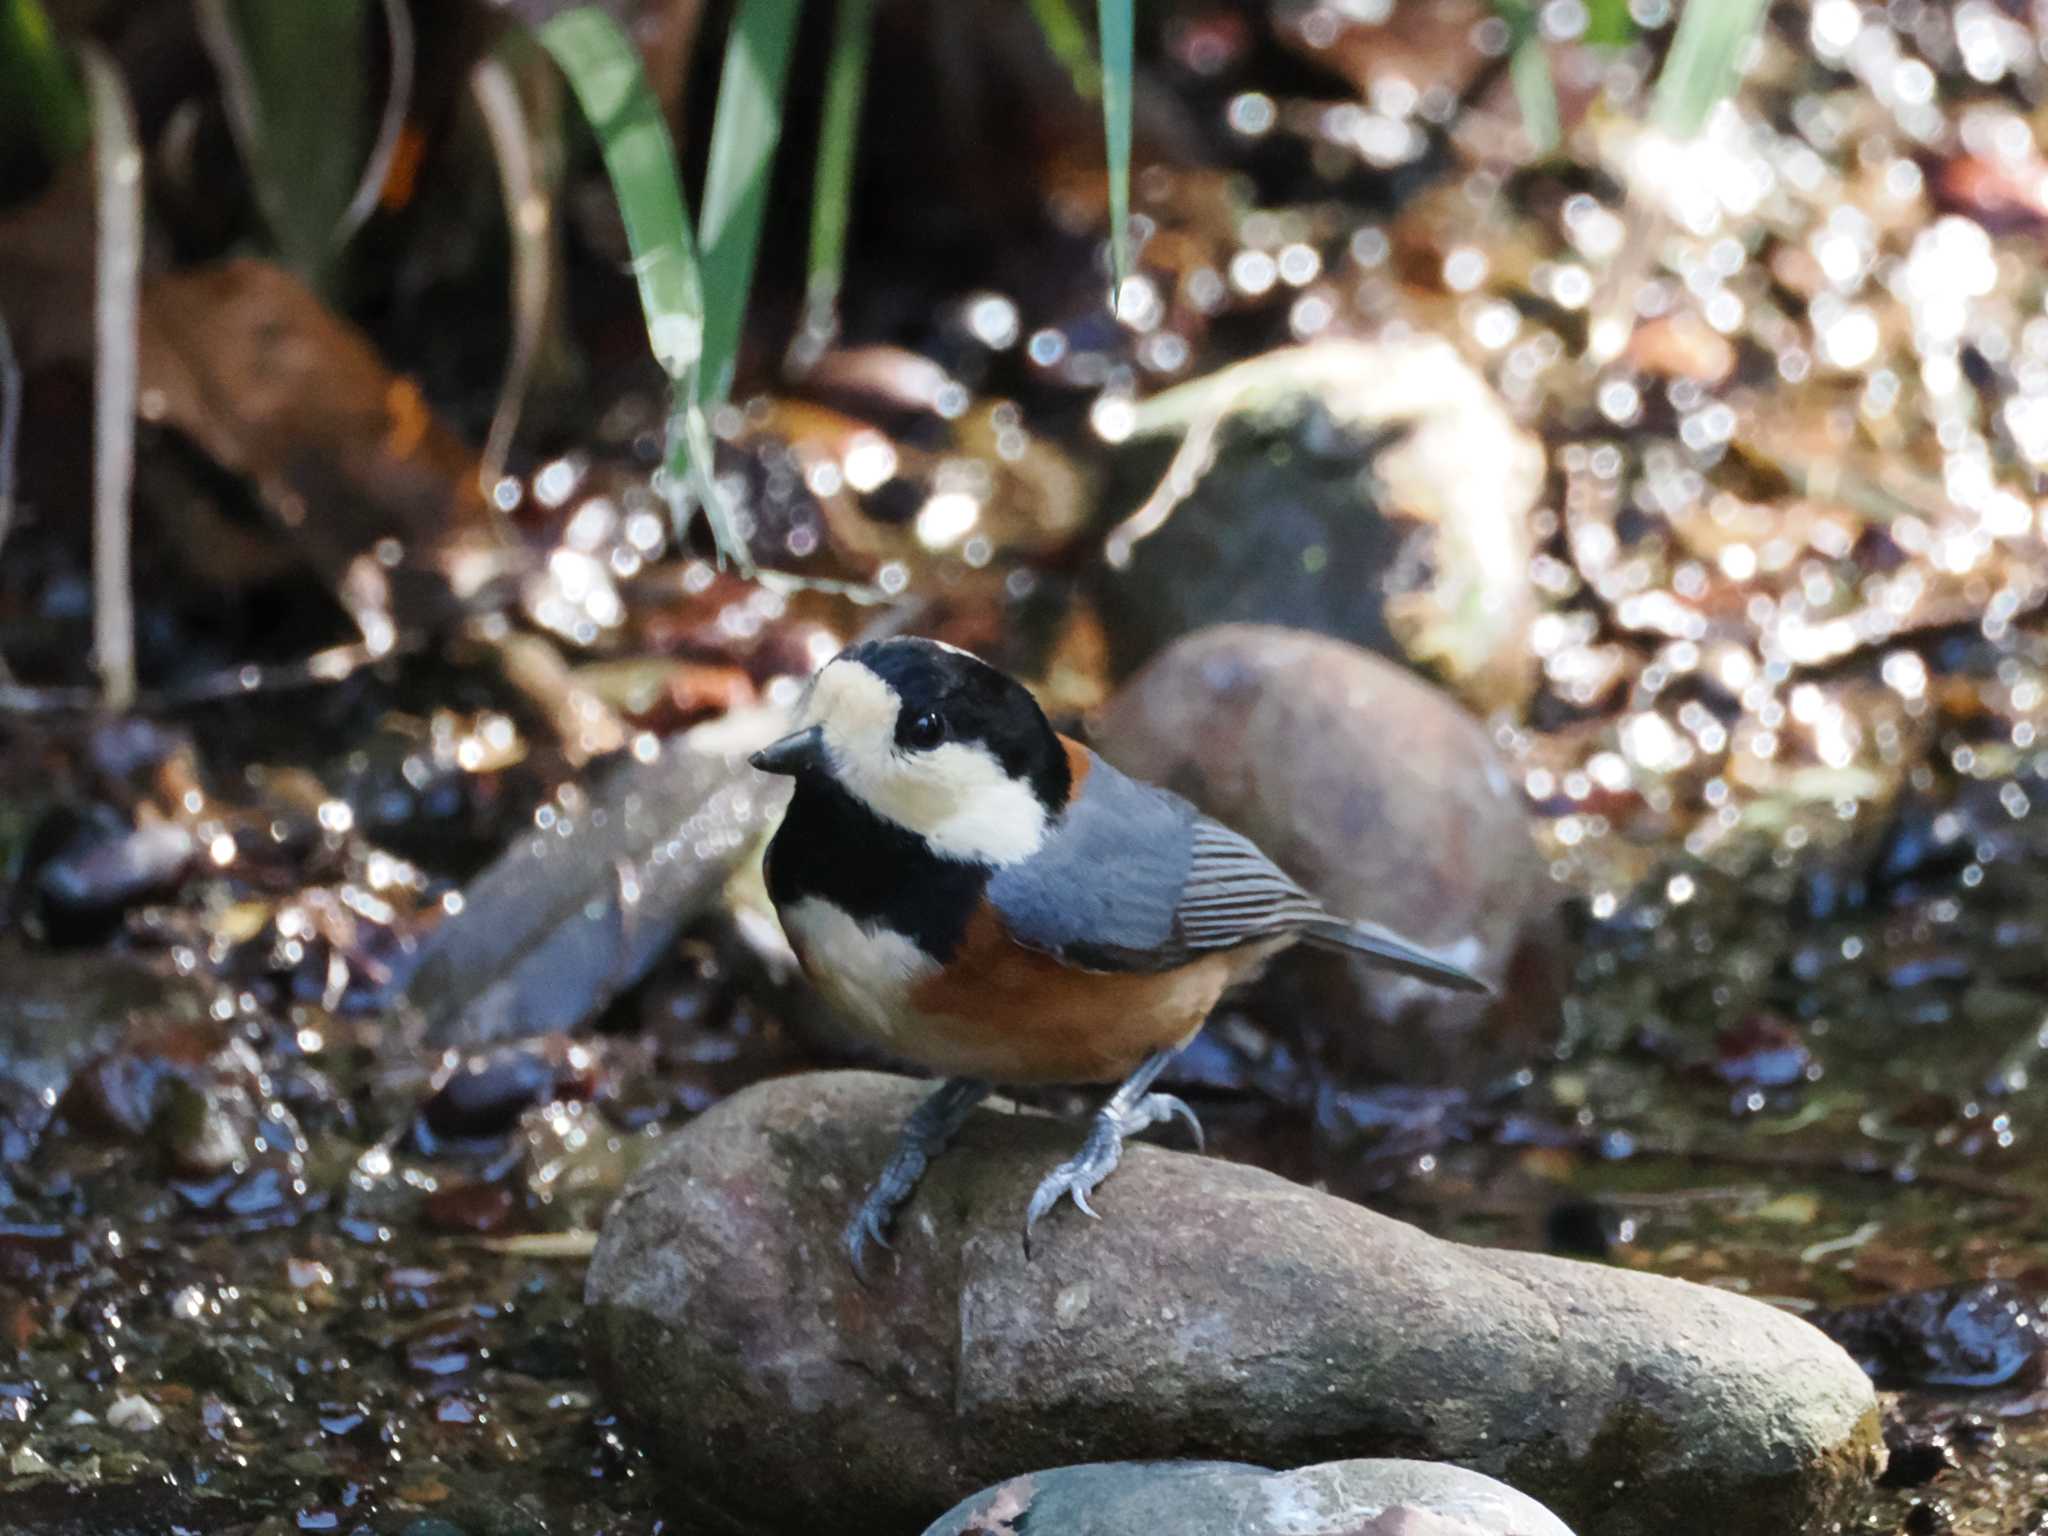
987, 899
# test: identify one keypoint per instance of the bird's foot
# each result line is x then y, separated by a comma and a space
925, 1135
870, 1224
1102, 1151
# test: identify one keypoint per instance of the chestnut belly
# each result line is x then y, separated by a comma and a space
998, 1010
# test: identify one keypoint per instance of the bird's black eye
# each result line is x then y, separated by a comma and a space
925, 730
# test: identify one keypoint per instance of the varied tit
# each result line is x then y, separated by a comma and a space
994, 902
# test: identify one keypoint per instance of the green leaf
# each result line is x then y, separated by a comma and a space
1701, 68
1529, 73
297, 89
1609, 24
1068, 41
838, 139
1117, 26
39, 93
605, 72
744, 132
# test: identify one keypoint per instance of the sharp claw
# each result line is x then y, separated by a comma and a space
1179, 1108
1055, 1184
1081, 1201
865, 1228
1038, 1207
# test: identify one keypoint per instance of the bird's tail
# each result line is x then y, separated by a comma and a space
1381, 948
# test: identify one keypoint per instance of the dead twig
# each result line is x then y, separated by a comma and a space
585, 725
530, 223
10, 428
390, 128
1191, 460
116, 306
321, 669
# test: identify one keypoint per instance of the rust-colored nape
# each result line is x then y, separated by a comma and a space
1079, 761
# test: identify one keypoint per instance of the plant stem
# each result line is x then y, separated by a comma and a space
118, 266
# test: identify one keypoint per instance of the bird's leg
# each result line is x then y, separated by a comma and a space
1130, 1109
925, 1134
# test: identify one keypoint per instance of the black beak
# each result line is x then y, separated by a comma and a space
796, 752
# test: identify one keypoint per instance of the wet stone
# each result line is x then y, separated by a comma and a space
484, 1097
568, 917
1215, 1311
90, 866
1366, 1497
1984, 1335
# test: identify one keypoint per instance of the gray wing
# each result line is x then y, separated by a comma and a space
1235, 895
1135, 879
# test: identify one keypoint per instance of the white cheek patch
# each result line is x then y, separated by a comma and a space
866, 973
957, 795
966, 806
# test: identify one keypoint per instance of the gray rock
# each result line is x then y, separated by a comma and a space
1220, 1498
1385, 797
1377, 490
568, 917
1215, 1312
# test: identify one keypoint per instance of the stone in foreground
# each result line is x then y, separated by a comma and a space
1221, 1498
1216, 1312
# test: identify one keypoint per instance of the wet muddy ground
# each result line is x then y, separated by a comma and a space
1815, 1088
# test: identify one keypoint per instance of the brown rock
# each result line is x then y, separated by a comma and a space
1382, 795
1216, 1312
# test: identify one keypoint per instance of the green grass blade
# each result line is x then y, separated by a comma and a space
299, 102
744, 132
605, 72
39, 94
1117, 25
1529, 73
1068, 42
1701, 67
1535, 93
838, 138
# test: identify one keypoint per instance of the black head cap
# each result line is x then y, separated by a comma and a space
948, 695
